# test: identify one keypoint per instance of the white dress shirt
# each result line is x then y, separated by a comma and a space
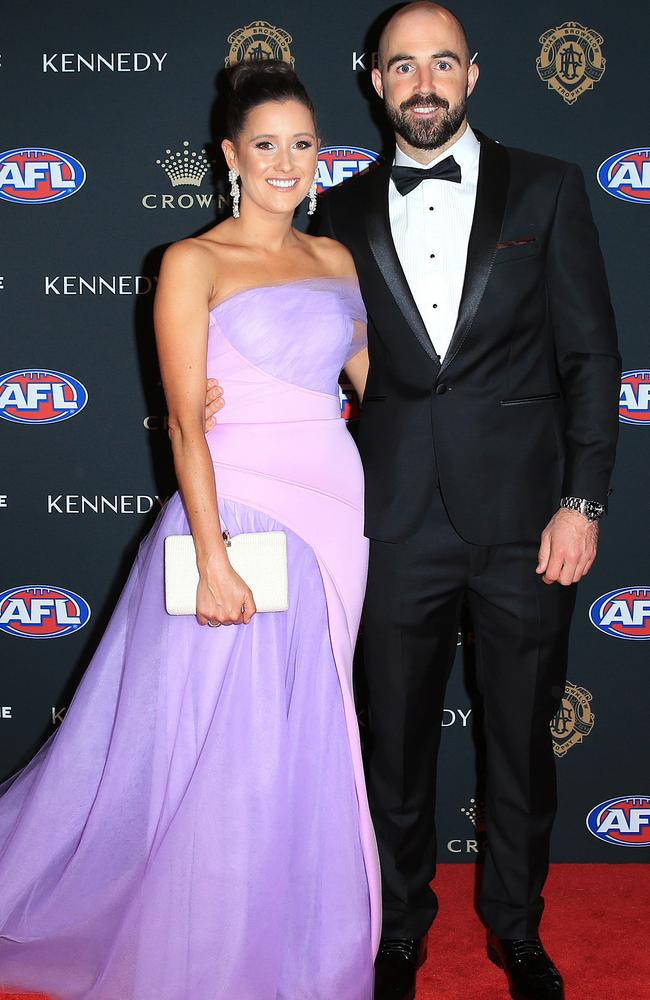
431, 227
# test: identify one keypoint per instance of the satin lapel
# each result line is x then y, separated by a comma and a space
491, 196
383, 250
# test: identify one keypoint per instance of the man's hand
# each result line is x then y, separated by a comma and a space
568, 548
214, 402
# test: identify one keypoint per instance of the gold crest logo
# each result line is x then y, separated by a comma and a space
259, 40
571, 60
574, 719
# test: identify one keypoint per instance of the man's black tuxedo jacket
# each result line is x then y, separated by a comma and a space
524, 408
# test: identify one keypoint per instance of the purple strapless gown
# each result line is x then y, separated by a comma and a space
198, 827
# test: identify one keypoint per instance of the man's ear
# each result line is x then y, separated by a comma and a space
472, 77
377, 82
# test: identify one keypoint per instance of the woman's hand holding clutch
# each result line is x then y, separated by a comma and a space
222, 598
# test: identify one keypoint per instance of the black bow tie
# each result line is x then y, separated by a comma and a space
406, 179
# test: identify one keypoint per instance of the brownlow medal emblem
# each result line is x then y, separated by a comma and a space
573, 720
257, 41
571, 60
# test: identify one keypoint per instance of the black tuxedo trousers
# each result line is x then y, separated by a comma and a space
411, 619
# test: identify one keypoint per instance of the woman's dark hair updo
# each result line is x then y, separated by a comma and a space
255, 83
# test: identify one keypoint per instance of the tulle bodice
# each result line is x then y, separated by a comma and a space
300, 333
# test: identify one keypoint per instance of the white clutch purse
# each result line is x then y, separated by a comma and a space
259, 557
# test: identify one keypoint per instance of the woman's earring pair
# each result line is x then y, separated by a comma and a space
235, 193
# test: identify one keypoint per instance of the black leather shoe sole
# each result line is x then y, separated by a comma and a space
493, 955
410, 995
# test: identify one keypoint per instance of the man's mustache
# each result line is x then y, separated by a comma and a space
424, 102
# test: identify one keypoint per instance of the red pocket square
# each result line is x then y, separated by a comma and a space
517, 243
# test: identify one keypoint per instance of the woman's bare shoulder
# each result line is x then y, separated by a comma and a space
336, 259
200, 250
198, 259
186, 256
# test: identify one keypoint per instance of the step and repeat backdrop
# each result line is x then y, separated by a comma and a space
109, 152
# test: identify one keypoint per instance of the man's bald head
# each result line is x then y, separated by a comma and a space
425, 77
425, 7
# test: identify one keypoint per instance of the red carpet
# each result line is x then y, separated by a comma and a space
595, 928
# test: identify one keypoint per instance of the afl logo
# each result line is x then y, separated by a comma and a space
338, 163
624, 614
40, 396
634, 405
626, 176
36, 175
350, 409
624, 821
42, 612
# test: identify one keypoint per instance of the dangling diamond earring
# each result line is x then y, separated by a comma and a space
234, 192
312, 194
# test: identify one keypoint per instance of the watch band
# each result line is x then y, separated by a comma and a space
591, 509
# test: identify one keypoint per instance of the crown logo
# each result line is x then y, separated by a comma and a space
475, 813
185, 167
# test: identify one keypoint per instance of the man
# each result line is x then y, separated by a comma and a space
487, 435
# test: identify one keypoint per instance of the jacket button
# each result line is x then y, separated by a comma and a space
441, 389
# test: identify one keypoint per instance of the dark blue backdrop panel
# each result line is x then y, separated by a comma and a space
109, 153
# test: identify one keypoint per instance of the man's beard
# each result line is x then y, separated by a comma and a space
425, 134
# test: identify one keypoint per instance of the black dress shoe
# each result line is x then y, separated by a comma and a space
531, 974
396, 964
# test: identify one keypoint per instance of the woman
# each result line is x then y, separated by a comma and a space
198, 828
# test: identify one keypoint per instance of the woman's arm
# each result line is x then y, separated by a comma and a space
181, 323
356, 370
341, 262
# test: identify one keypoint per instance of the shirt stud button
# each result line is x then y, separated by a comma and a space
435, 305
431, 208
431, 255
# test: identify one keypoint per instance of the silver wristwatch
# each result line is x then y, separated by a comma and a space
591, 509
